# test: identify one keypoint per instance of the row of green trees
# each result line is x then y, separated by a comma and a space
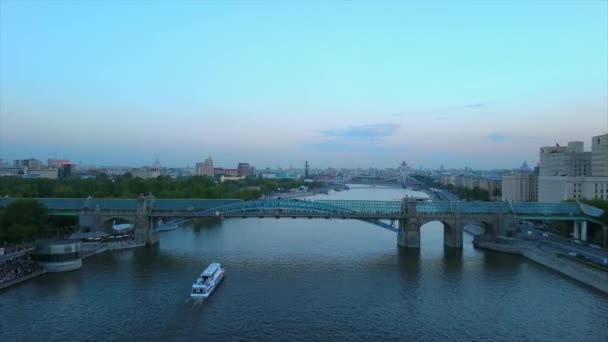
130, 187
27, 219
475, 194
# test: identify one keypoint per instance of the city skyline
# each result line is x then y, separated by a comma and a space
368, 85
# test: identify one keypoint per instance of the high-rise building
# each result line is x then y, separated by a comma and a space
29, 163
599, 156
306, 170
521, 186
568, 160
208, 167
243, 170
205, 168
57, 163
198, 169
66, 171
573, 173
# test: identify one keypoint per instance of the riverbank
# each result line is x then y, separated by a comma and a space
22, 279
87, 251
595, 278
14, 255
292, 195
90, 249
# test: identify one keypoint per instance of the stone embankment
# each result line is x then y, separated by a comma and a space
587, 275
22, 279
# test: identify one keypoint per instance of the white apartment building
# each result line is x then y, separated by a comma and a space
570, 160
571, 173
557, 189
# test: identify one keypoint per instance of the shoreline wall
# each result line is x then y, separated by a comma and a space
22, 279
594, 278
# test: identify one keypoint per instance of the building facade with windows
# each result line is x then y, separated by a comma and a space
244, 170
570, 160
205, 168
574, 174
521, 186
557, 189
599, 156
40, 173
29, 163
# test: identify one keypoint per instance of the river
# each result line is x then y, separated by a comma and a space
302, 280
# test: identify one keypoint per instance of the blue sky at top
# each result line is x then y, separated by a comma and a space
351, 84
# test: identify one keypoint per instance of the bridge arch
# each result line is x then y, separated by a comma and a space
486, 227
279, 208
109, 221
452, 230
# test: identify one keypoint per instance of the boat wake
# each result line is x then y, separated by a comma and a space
195, 302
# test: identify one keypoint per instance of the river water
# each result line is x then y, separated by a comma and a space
302, 280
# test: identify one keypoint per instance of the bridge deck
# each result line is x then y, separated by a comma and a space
350, 208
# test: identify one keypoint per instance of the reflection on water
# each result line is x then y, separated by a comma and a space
302, 280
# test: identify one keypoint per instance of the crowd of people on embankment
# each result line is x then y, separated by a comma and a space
9, 248
17, 268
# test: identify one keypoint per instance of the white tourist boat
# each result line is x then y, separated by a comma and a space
211, 278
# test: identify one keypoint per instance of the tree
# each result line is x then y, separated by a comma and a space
24, 219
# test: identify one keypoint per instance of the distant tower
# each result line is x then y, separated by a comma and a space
156, 164
403, 170
306, 170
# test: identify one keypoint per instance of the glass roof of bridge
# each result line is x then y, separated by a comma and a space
592, 211
365, 206
378, 207
566, 208
190, 204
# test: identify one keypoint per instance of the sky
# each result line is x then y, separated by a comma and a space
342, 84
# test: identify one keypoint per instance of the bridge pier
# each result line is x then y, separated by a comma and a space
584, 231
143, 225
409, 234
453, 235
580, 230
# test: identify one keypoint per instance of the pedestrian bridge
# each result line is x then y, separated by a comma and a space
403, 217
